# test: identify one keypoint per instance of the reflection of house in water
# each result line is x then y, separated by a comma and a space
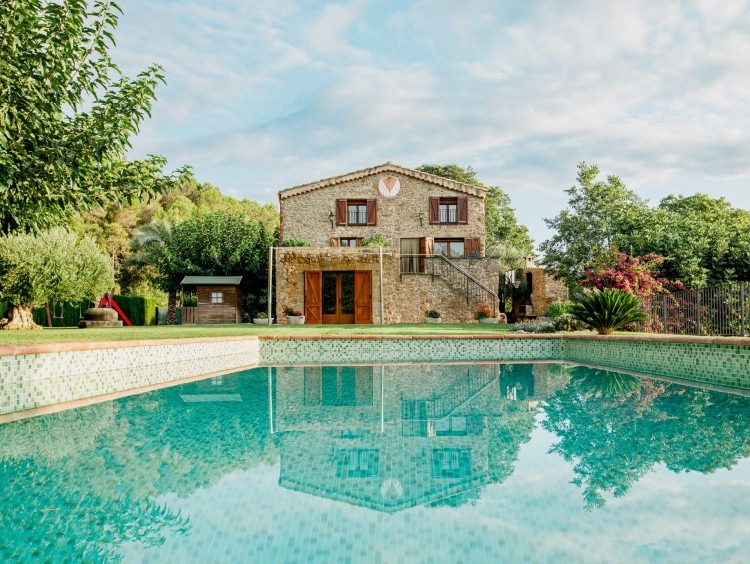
392, 437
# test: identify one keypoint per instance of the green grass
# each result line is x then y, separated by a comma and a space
70, 334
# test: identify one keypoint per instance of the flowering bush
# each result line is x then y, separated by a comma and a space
293, 312
483, 312
635, 275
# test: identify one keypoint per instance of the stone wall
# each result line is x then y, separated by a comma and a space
405, 299
305, 215
544, 290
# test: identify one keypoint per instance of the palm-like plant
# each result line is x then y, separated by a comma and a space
608, 310
152, 246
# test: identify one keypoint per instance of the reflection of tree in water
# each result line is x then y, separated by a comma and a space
78, 484
619, 429
50, 509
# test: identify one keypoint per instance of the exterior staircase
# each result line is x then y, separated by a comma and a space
417, 413
458, 278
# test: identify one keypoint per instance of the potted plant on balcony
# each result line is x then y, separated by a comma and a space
262, 319
293, 316
483, 313
432, 316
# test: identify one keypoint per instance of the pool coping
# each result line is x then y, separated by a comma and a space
45, 348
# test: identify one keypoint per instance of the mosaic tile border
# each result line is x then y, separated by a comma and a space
34, 376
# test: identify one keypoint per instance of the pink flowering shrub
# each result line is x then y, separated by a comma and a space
636, 275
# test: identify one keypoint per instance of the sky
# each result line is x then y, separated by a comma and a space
262, 96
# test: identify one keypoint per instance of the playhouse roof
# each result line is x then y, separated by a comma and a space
211, 280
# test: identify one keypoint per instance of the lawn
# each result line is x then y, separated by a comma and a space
70, 334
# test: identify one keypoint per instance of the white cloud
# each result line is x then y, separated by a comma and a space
262, 96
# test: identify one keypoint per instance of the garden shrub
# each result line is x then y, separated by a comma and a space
608, 310
568, 322
295, 243
558, 308
535, 326
376, 241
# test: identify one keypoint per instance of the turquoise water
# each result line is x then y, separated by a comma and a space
480, 463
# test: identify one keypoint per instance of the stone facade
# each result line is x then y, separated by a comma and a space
310, 213
544, 290
405, 298
306, 210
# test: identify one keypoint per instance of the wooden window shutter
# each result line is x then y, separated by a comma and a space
434, 210
340, 212
335, 242
463, 210
362, 296
471, 246
313, 296
429, 246
372, 212
359, 241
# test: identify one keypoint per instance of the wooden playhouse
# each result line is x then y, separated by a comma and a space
219, 299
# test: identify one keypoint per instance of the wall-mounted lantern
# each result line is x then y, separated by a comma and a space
331, 218
421, 219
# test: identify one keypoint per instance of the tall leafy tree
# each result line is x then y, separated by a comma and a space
501, 223
54, 265
600, 215
67, 115
212, 244
704, 240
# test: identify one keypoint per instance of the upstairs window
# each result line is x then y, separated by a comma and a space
449, 211
356, 212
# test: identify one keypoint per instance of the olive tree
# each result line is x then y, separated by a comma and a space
67, 114
53, 265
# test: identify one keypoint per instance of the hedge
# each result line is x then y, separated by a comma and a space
63, 314
140, 311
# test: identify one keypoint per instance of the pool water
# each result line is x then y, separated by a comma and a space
418, 462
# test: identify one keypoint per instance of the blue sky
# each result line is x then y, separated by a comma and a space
261, 96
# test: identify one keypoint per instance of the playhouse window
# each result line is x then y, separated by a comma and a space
217, 297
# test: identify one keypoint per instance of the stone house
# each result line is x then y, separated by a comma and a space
434, 259
372, 436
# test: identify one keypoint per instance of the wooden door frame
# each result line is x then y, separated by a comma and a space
337, 318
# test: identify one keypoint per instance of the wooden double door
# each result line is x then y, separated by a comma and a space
333, 297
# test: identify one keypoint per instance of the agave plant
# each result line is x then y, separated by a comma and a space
608, 310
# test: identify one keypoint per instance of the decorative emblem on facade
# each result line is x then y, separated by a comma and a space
389, 187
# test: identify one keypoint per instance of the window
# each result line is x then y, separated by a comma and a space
453, 248
451, 462
358, 463
449, 211
217, 297
356, 212
350, 241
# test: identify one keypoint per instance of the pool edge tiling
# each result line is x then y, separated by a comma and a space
35, 376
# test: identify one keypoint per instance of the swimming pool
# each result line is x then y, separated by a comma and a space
425, 462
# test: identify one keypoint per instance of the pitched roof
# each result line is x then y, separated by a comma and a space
379, 169
217, 280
